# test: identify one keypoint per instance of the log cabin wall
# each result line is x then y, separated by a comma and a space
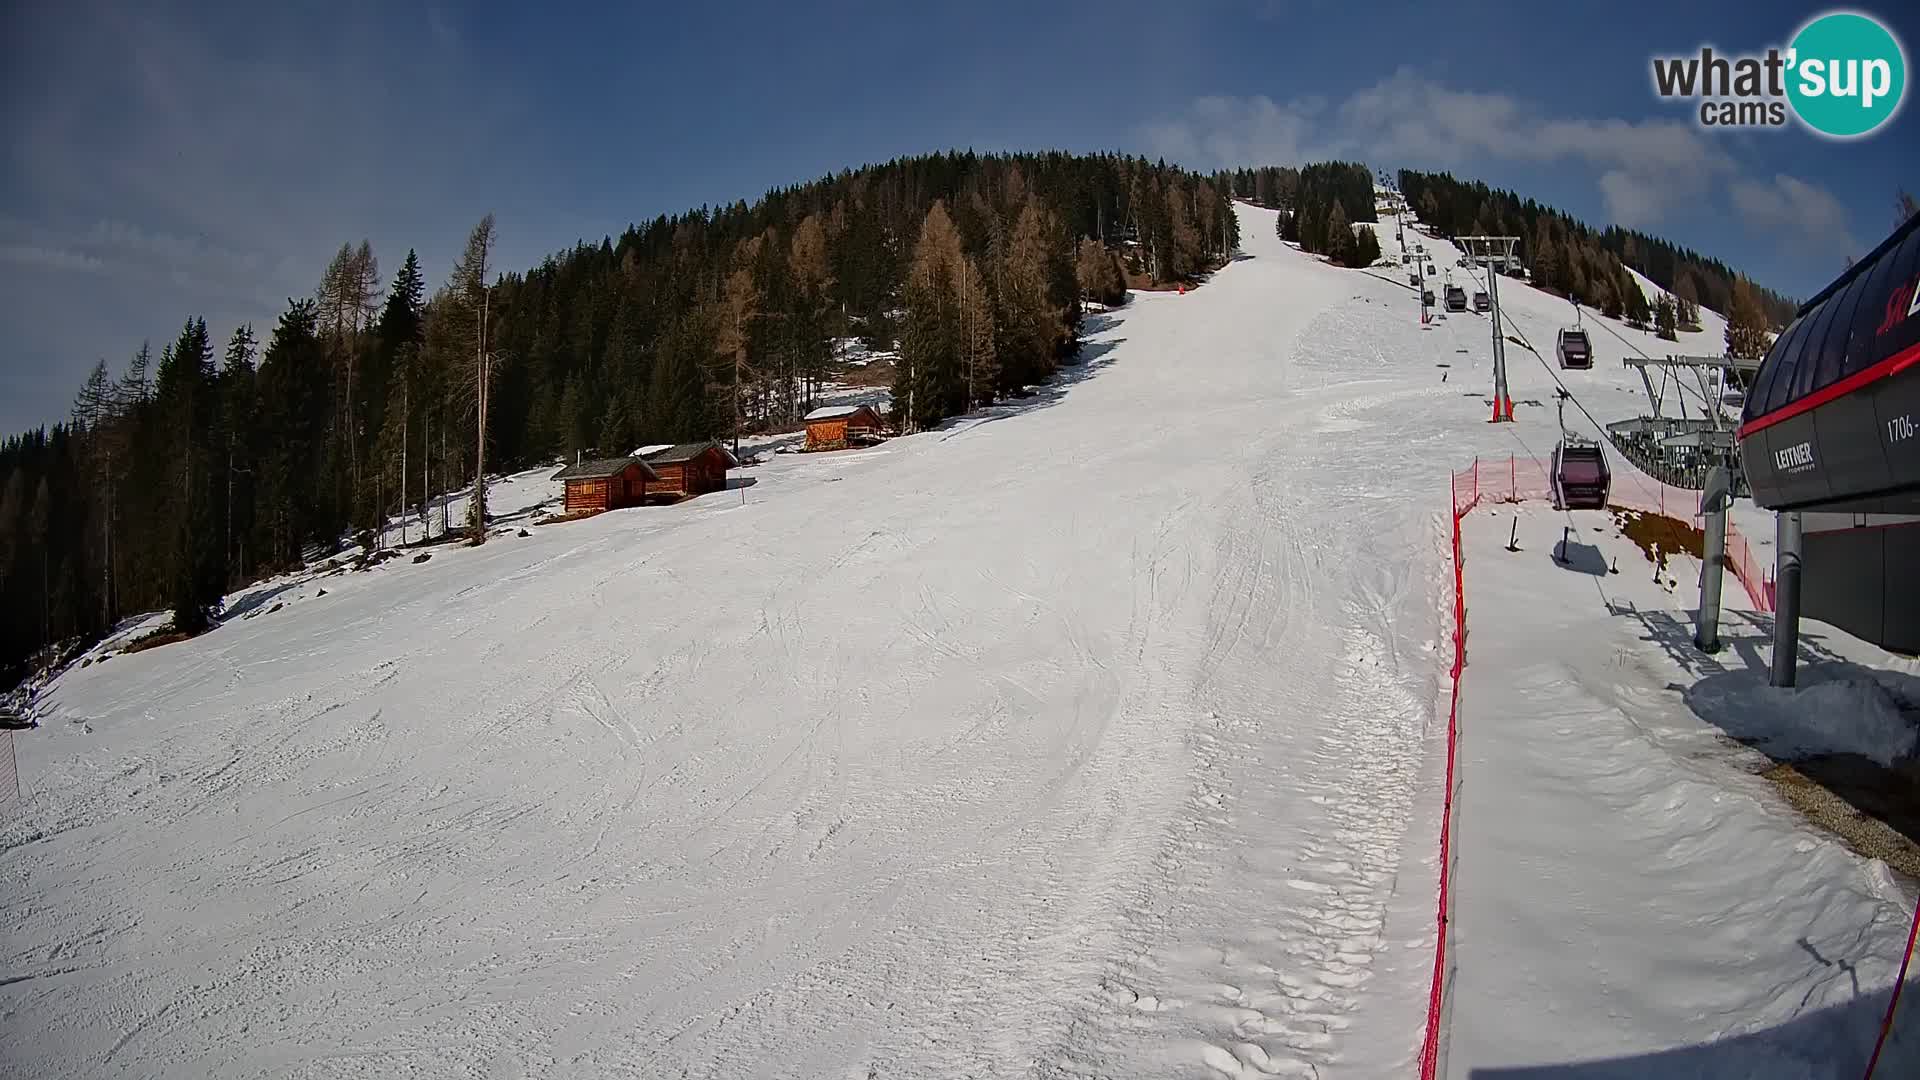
584, 495
673, 478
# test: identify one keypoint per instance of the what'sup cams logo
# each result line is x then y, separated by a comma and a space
1843, 76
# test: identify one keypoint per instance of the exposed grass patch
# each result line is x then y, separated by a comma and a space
166, 635
1658, 536
1873, 809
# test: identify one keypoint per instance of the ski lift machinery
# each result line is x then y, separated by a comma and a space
1580, 477
1573, 346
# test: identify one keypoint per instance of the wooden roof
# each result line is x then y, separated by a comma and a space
679, 452
601, 468
835, 412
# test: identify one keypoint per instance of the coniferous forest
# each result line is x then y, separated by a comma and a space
203, 464
1570, 257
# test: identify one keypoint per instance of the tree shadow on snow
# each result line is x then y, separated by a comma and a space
1093, 357
1831, 1042
256, 598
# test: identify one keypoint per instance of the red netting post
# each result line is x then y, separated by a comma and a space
1886, 1022
1513, 478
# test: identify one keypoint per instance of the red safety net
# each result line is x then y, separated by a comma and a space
1513, 480
1518, 479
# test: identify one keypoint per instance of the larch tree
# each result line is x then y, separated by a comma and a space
1097, 274
1686, 300
1746, 322
811, 271
929, 380
734, 335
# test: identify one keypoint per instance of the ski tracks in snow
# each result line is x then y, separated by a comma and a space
1250, 950
967, 766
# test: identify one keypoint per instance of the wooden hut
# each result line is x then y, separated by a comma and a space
606, 483
688, 468
835, 426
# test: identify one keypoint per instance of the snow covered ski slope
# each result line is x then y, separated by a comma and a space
1093, 735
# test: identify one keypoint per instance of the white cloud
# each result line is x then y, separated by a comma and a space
1642, 169
49, 258
1805, 215
1221, 130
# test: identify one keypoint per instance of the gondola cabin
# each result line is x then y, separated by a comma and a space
1581, 479
605, 484
1481, 302
1576, 352
1456, 299
834, 427
1831, 427
687, 469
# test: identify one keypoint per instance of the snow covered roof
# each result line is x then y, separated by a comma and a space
600, 468
655, 448
833, 412
669, 455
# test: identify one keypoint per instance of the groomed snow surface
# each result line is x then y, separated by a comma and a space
1092, 735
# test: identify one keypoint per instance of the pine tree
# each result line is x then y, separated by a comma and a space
1366, 248
1664, 317
293, 384
1339, 234
400, 319
1635, 299
469, 282
184, 394
235, 395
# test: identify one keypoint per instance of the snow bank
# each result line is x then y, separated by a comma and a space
1838, 708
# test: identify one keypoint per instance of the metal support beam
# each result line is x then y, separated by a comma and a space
1786, 603
1713, 504
1502, 399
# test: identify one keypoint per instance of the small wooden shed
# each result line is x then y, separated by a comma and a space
688, 468
606, 483
835, 426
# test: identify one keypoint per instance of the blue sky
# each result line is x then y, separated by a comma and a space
206, 159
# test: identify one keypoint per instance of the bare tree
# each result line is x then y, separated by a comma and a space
469, 283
